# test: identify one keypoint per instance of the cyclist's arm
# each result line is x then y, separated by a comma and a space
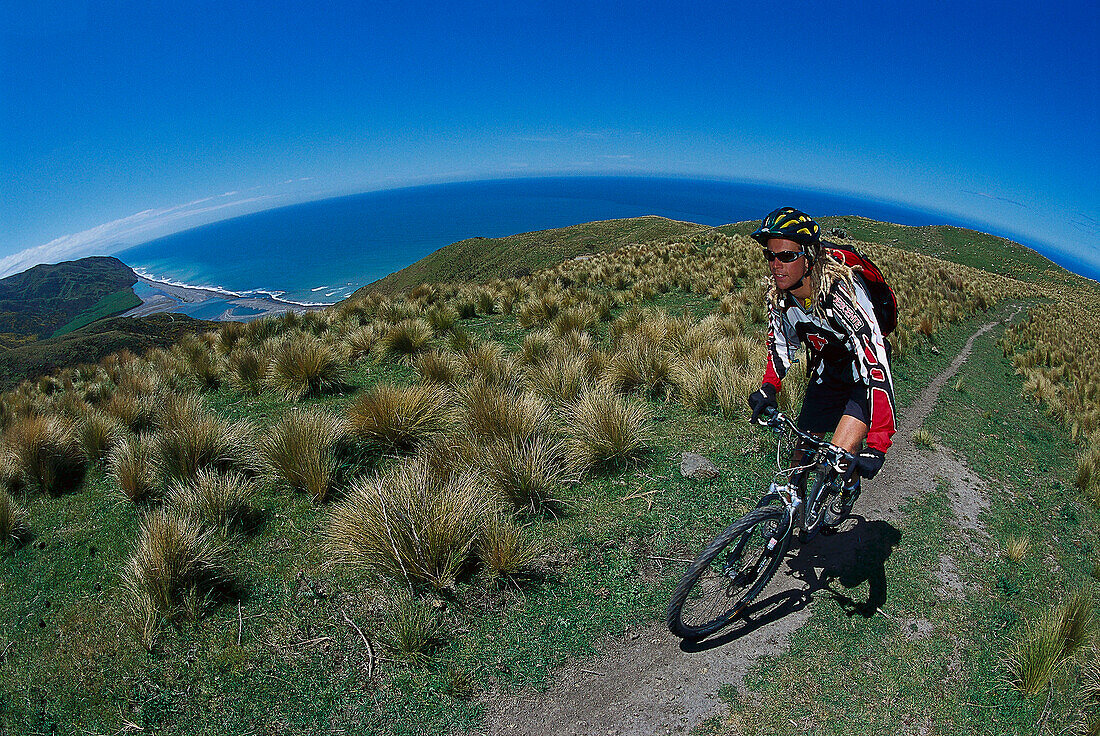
782, 341
854, 314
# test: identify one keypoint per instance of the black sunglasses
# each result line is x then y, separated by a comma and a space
785, 256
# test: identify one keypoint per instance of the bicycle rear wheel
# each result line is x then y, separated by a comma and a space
729, 573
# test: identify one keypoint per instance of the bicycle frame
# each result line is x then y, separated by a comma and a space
818, 453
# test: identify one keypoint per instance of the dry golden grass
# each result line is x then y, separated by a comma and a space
137, 410
191, 438
412, 524
132, 465
561, 376
360, 342
196, 362
603, 428
46, 452
1016, 548
639, 363
438, 366
526, 473
491, 411
399, 418
246, 368
1048, 642
222, 501
175, 570
301, 451
506, 549
487, 363
407, 337
12, 519
303, 366
98, 432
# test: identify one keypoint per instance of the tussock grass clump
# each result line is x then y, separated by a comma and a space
407, 338
410, 626
697, 382
604, 429
924, 437
1088, 471
491, 411
1016, 548
411, 524
438, 366
524, 472
196, 362
639, 363
12, 519
135, 408
303, 366
46, 453
175, 571
582, 317
246, 368
441, 317
537, 346
1048, 642
485, 362
399, 418
192, 438
99, 431
360, 342
302, 451
222, 501
506, 549
133, 465
560, 377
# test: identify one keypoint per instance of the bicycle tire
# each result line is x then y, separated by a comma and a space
816, 502
709, 597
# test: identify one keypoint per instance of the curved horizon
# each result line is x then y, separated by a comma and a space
148, 227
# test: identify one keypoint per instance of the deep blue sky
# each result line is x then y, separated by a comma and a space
123, 120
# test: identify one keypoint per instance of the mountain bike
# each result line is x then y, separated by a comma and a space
732, 570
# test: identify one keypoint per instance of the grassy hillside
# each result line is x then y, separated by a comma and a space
93, 342
478, 259
381, 515
51, 299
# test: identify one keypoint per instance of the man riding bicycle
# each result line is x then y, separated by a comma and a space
814, 300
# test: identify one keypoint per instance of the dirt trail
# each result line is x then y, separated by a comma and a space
647, 682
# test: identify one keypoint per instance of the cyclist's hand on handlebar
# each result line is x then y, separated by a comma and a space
763, 402
867, 464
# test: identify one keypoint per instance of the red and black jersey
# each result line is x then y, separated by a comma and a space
844, 345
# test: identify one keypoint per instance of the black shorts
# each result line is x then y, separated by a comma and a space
825, 403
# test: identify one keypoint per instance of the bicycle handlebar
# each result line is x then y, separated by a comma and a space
777, 420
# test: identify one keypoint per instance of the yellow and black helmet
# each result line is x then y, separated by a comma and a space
791, 224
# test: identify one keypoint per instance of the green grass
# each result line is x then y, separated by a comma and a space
119, 301
483, 258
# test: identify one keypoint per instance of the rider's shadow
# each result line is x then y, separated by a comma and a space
836, 563
841, 562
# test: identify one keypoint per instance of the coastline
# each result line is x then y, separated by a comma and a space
206, 303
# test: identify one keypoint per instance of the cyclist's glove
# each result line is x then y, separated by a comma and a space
867, 463
763, 402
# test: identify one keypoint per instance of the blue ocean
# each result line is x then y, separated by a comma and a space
320, 252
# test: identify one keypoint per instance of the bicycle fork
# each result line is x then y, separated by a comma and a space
794, 505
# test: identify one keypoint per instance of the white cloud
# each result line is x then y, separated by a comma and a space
120, 234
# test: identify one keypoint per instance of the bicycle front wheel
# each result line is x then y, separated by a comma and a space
729, 573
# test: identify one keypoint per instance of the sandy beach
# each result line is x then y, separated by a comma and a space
157, 297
